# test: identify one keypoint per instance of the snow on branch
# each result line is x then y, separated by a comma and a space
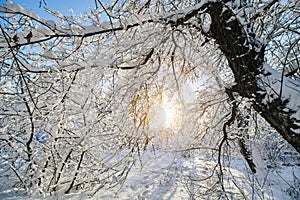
48, 29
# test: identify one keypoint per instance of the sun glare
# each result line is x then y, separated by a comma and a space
170, 115
165, 114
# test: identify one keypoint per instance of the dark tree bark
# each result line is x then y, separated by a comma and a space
246, 64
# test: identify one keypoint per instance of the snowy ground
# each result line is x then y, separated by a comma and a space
169, 175
174, 176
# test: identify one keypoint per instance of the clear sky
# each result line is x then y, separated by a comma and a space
64, 6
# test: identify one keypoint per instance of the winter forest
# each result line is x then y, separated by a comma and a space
151, 99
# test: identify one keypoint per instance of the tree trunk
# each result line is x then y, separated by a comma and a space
246, 64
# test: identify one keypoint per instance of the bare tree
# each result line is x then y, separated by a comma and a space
91, 82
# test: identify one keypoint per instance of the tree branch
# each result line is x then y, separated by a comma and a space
246, 64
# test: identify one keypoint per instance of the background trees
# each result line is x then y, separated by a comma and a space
77, 93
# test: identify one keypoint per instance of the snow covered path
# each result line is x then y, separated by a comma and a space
176, 176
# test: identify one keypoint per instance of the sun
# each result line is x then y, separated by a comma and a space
165, 113
170, 115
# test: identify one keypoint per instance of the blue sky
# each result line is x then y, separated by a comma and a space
78, 6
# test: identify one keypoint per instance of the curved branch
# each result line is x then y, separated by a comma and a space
247, 66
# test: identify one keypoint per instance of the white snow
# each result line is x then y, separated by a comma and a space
187, 175
278, 86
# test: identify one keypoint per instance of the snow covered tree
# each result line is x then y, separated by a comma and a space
77, 93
